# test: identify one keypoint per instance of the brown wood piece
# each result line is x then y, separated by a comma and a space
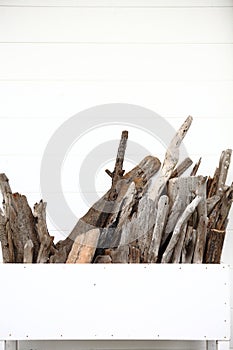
215, 240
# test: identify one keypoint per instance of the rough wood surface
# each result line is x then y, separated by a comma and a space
170, 161
182, 167
28, 252
46, 241
215, 239
180, 223
162, 213
84, 248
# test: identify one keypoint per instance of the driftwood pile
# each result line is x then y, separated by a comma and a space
152, 214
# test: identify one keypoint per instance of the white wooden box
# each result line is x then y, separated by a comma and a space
115, 301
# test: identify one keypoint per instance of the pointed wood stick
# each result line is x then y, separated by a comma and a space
162, 213
181, 222
195, 168
182, 167
224, 164
170, 161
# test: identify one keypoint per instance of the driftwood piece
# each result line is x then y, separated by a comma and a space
189, 245
211, 202
215, 239
223, 170
162, 213
180, 223
170, 161
202, 222
182, 167
84, 248
28, 252
177, 254
212, 184
6, 255
140, 174
180, 192
195, 168
20, 224
46, 241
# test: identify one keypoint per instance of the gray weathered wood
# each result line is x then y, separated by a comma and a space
180, 223
28, 252
189, 245
162, 213
84, 248
170, 161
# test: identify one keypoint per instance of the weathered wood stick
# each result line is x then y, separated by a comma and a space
84, 248
181, 222
189, 245
28, 252
4, 240
195, 168
162, 213
170, 161
200, 240
46, 241
176, 257
212, 184
211, 202
224, 164
182, 167
202, 224
215, 239
118, 169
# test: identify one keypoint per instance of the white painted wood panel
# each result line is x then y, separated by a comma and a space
117, 3
116, 62
63, 99
54, 24
191, 302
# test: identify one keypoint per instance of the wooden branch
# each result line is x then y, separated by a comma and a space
7, 258
180, 192
202, 224
215, 239
212, 187
162, 213
195, 168
180, 223
211, 202
200, 240
189, 245
182, 167
170, 161
46, 241
176, 257
224, 164
84, 248
118, 169
28, 252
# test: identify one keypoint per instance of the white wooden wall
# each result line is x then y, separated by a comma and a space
58, 57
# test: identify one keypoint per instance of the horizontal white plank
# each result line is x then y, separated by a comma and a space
195, 25
116, 62
113, 291
61, 100
117, 3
